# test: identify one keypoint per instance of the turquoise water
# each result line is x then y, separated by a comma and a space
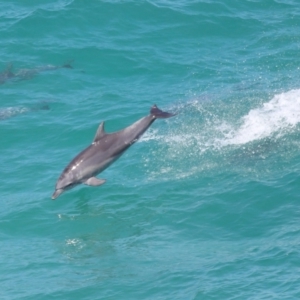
206, 204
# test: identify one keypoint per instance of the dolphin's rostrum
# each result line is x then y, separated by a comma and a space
105, 149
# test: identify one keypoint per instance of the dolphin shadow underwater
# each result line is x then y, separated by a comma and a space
104, 150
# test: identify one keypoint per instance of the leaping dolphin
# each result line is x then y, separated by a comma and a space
104, 150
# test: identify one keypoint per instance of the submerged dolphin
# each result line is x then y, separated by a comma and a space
105, 149
23, 74
29, 73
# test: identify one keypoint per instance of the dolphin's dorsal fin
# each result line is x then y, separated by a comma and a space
100, 133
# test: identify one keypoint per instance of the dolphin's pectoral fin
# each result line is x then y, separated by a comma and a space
93, 181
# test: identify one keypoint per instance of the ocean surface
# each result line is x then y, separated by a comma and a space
206, 205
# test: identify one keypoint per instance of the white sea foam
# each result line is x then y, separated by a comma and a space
8, 112
277, 116
273, 117
202, 136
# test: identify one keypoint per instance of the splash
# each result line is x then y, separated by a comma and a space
277, 116
8, 112
213, 136
204, 125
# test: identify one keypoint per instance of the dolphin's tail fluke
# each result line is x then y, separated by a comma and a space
159, 114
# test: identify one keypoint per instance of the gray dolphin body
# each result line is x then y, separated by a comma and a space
105, 149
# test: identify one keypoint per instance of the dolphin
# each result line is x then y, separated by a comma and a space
29, 73
22, 74
104, 150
